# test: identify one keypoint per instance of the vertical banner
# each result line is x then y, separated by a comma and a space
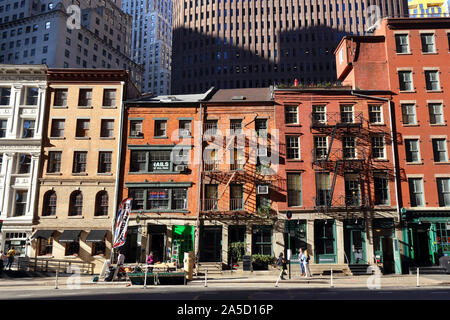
123, 215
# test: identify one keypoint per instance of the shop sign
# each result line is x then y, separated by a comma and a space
158, 194
161, 166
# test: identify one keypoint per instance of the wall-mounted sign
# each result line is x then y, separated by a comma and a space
161, 166
158, 194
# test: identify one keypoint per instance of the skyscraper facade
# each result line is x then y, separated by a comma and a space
67, 34
151, 42
238, 44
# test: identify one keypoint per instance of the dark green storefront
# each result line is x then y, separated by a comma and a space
426, 237
295, 237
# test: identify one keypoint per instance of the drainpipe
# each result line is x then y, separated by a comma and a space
199, 190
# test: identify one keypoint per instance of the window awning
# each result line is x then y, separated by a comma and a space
96, 236
69, 236
43, 234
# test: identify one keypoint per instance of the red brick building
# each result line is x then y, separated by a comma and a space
410, 58
336, 158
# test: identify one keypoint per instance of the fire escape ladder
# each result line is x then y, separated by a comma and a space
333, 184
331, 142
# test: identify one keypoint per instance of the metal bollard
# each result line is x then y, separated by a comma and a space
145, 278
56, 281
331, 283
417, 285
206, 277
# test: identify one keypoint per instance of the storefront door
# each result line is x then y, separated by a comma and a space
358, 247
325, 241
211, 244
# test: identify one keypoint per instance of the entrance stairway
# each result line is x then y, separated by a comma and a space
428, 270
359, 269
214, 268
325, 269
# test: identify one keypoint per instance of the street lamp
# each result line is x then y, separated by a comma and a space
289, 216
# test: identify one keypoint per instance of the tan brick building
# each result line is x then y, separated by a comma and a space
78, 183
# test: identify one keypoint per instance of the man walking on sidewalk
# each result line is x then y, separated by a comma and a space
11, 253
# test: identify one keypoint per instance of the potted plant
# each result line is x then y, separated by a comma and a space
262, 261
264, 211
236, 250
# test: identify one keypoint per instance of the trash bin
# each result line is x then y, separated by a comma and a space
188, 262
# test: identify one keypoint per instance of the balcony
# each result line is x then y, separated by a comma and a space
338, 119
236, 204
210, 204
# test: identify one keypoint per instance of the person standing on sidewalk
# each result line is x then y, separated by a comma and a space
2, 260
306, 264
301, 257
11, 253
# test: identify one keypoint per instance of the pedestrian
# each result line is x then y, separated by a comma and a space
150, 261
2, 260
120, 262
281, 263
11, 253
306, 264
301, 256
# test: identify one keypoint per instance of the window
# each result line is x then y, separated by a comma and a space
320, 147
60, 98
378, 147
294, 189
159, 199
49, 203
352, 195
160, 161
349, 147
138, 161
104, 161
160, 128
5, 94
85, 98
185, 128
101, 204
54, 162
20, 203
375, 114
416, 192
427, 40
109, 97
31, 96
72, 248
136, 128
79, 161
28, 129
409, 113
405, 80
319, 114
179, 199
76, 204
440, 150
261, 127
432, 80
211, 127
236, 126
436, 113
412, 150
57, 129
324, 234
402, 43
347, 114
3, 126
262, 240
107, 128
24, 163
323, 189
443, 185
292, 147
291, 114
236, 197
138, 196
381, 190
83, 128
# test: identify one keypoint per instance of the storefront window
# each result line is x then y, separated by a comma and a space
324, 232
159, 199
443, 238
98, 248
45, 247
262, 240
72, 248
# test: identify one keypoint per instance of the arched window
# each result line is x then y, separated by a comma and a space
49, 203
76, 204
101, 204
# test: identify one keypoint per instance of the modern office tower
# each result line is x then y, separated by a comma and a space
428, 8
22, 104
151, 42
238, 44
50, 32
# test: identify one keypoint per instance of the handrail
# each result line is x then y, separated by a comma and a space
50, 264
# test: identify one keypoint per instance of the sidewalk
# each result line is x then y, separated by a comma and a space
340, 281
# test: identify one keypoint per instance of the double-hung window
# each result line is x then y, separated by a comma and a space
427, 40
409, 113
416, 195
412, 150
436, 113
293, 147
294, 189
349, 147
319, 115
347, 114
375, 114
291, 114
440, 150
432, 80
381, 188
402, 43
320, 147
378, 147
443, 185
405, 80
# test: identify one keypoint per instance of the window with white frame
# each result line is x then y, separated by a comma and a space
28, 128
3, 126
294, 189
443, 186
375, 114
291, 114
5, 94
409, 113
405, 80
416, 195
347, 114
85, 98
136, 128
440, 150
428, 45
320, 147
20, 203
31, 96
378, 147
293, 147
319, 114
381, 188
60, 98
436, 113
349, 147
412, 150
402, 43
109, 97
23, 163
432, 80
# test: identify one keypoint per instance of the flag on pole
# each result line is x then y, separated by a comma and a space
123, 215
